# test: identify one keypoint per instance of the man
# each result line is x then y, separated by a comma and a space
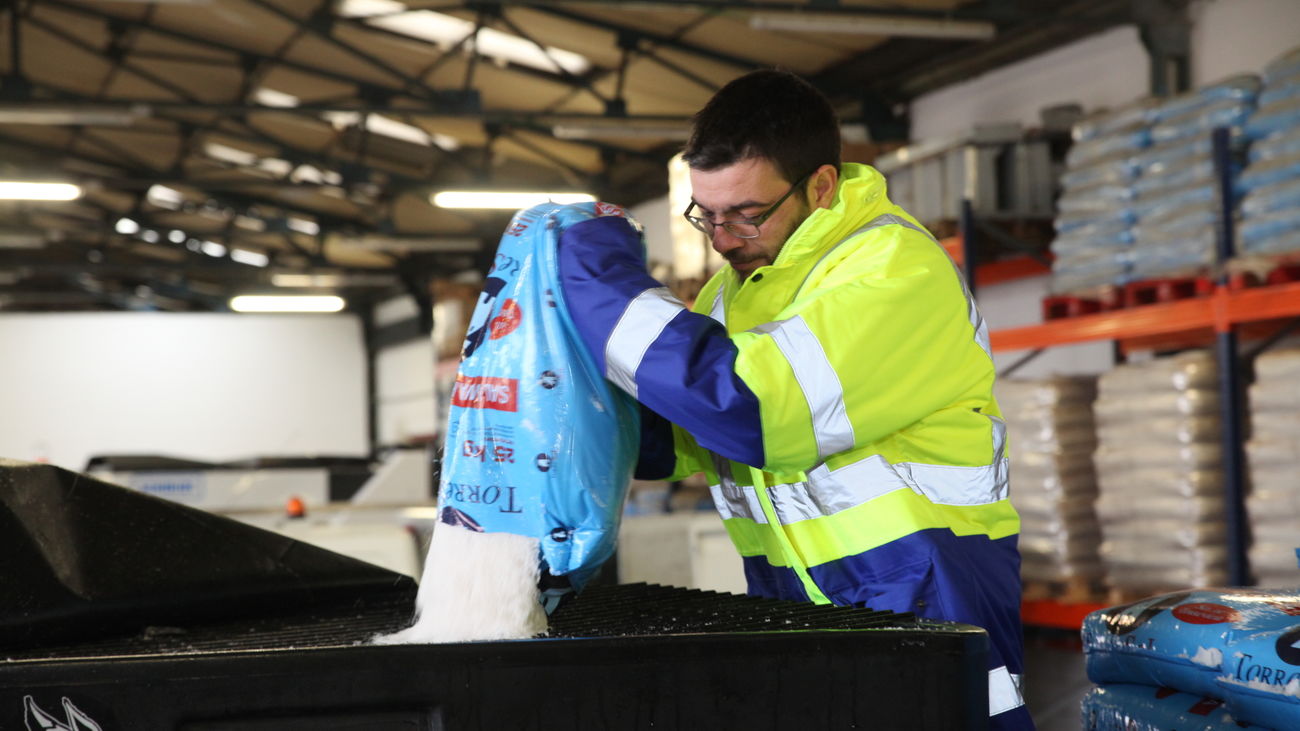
838, 394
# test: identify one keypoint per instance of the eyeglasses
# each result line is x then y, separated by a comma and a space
748, 228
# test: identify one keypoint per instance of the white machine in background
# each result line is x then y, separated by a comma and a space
382, 516
689, 549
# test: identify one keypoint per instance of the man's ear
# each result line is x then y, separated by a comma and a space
823, 185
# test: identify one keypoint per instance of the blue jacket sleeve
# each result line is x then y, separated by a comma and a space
679, 364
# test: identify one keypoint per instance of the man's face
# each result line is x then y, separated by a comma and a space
741, 191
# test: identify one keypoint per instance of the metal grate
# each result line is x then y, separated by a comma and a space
343, 625
648, 609
625, 610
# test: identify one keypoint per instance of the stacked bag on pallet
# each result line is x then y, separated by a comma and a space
1095, 214
1160, 482
1240, 647
1050, 423
1176, 194
1127, 707
1273, 507
1270, 184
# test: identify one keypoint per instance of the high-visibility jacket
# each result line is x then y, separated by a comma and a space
840, 403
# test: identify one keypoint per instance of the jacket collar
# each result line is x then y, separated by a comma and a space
859, 198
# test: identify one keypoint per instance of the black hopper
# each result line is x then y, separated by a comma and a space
83, 559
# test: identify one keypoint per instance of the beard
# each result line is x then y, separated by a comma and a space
764, 255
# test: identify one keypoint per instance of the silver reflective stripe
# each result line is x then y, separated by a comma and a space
719, 311
818, 380
732, 500
645, 317
827, 492
1004, 691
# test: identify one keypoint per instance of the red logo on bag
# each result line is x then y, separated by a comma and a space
1291, 610
506, 322
486, 392
609, 209
1205, 706
1206, 613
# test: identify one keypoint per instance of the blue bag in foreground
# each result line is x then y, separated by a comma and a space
1241, 646
1123, 707
539, 449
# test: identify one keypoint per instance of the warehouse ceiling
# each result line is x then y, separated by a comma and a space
228, 146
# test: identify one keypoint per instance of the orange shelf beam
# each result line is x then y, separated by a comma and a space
1223, 309
1049, 613
996, 272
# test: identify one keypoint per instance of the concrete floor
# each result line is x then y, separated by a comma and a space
1055, 681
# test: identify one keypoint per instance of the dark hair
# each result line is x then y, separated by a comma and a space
772, 114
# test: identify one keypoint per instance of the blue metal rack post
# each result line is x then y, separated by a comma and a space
1230, 376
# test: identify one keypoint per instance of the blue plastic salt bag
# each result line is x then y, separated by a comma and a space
1261, 678
1226, 644
1124, 707
538, 443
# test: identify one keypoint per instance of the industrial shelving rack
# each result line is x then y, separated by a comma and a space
1218, 318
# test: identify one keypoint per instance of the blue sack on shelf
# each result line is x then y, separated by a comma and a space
1269, 172
1271, 197
1279, 144
538, 443
1124, 119
1286, 87
1218, 114
1070, 220
1239, 90
1286, 64
1115, 169
1085, 153
1099, 235
1162, 205
1126, 707
1164, 177
1280, 116
1286, 242
1269, 225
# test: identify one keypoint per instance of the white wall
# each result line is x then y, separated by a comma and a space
654, 215
1240, 36
404, 384
1104, 70
204, 386
1019, 303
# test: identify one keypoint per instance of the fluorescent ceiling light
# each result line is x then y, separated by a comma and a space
177, 236
212, 248
56, 114
325, 281
286, 303
164, 197
272, 98
625, 130
149, 236
313, 174
330, 281
408, 243
446, 31
389, 127
224, 153
126, 226
975, 30
250, 223
303, 226
16, 190
507, 200
251, 258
